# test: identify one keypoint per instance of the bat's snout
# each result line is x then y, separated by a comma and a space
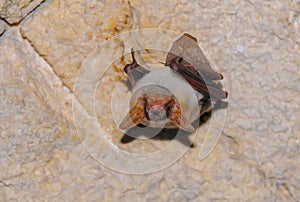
156, 113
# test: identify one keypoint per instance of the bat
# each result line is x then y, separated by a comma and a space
176, 95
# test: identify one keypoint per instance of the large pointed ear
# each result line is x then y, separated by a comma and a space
135, 115
177, 118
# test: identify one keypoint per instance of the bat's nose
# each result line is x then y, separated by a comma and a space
157, 112
157, 108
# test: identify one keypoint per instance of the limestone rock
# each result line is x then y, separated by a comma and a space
254, 44
14, 11
2, 27
65, 32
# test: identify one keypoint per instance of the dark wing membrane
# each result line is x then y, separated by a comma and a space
190, 72
187, 59
187, 48
207, 88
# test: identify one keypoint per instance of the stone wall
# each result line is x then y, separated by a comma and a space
254, 44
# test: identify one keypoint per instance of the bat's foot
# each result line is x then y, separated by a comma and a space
133, 65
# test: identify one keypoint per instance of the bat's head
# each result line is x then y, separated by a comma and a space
155, 106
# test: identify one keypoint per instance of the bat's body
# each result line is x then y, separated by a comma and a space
173, 97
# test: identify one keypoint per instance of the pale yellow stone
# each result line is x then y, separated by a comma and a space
2, 27
33, 108
14, 11
254, 44
65, 37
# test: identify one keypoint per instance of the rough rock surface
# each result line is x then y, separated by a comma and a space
2, 27
254, 44
65, 32
14, 11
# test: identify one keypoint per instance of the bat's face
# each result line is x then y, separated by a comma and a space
161, 99
156, 111
157, 108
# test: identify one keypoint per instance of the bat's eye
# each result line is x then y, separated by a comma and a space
168, 108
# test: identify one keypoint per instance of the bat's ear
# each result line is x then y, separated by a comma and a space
135, 116
183, 124
177, 118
